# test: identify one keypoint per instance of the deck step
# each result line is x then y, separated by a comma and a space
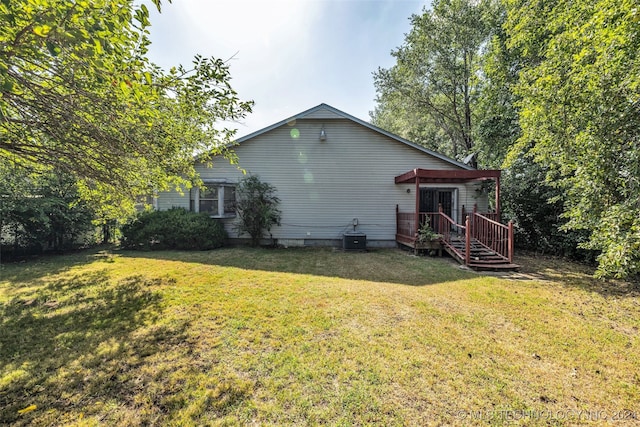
488, 261
482, 258
508, 266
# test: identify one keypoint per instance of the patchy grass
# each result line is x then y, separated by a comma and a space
313, 336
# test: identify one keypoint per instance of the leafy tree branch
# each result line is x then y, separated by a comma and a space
78, 93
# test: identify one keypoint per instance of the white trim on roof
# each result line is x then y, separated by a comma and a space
360, 122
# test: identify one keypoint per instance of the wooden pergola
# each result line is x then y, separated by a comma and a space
430, 176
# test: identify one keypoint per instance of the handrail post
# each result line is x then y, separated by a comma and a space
498, 211
397, 219
467, 242
416, 226
510, 241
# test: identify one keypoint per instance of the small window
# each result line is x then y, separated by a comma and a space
216, 200
229, 200
209, 200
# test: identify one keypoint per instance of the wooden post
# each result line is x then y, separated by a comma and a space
473, 221
510, 242
467, 243
417, 218
397, 219
498, 199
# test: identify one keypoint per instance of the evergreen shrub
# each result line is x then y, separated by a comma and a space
175, 228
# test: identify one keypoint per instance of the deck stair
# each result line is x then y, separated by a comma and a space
481, 243
481, 257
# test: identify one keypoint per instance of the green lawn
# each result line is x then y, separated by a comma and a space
312, 336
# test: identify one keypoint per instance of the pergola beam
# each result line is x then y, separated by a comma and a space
439, 175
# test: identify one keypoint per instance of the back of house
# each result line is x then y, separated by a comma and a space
334, 174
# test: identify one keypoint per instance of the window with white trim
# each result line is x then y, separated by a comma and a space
218, 200
229, 198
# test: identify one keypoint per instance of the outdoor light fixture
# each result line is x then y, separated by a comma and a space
323, 134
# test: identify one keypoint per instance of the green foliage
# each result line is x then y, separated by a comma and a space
257, 208
536, 209
173, 229
498, 127
78, 93
430, 95
42, 212
426, 233
553, 88
579, 98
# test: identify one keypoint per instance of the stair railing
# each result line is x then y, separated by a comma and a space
467, 242
448, 227
492, 234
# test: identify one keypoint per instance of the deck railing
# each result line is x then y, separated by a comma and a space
405, 227
494, 216
440, 223
492, 234
488, 232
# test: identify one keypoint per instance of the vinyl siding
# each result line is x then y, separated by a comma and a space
322, 114
324, 185
172, 199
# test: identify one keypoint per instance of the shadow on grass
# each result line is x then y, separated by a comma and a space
77, 339
571, 274
378, 265
394, 266
28, 272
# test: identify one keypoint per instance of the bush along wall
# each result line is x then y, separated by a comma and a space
173, 229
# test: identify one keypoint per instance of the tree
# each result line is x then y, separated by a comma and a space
579, 103
431, 92
77, 93
497, 127
43, 212
257, 208
536, 207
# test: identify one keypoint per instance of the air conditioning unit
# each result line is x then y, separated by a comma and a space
354, 241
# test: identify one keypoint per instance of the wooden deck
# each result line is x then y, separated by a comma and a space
481, 243
434, 245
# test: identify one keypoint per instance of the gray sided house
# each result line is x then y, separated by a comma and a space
333, 170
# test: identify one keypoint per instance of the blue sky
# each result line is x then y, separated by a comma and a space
287, 55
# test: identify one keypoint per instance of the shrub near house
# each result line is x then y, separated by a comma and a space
257, 208
173, 229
